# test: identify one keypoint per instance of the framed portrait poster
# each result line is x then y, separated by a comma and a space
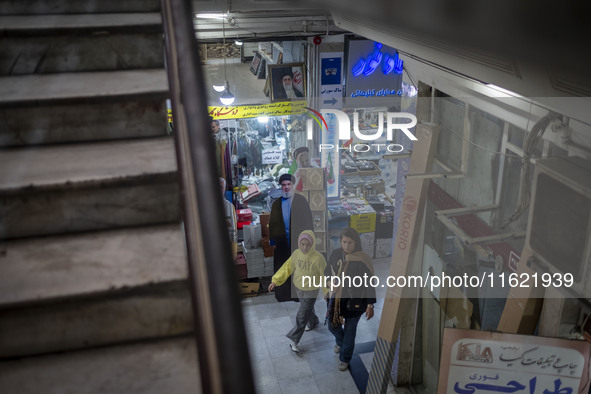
256, 63
288, 81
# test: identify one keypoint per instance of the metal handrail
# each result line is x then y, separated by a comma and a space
219, 327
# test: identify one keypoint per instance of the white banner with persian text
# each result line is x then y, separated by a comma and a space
486, 362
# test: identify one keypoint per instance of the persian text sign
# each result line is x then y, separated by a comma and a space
272, 156
253, 111
478, 361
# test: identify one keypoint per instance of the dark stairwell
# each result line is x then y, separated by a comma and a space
93, 273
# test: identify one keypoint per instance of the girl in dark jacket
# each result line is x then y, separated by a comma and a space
348, 266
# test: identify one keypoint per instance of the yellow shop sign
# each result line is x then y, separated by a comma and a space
253, 111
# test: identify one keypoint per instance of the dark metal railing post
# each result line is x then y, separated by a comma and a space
222, 347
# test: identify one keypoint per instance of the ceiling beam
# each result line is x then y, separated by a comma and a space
262, 25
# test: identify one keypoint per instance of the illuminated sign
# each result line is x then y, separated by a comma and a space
368, 65
374, 74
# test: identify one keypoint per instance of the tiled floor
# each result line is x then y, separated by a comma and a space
314, 370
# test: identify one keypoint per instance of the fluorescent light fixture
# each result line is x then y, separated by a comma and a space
263, 119
211, 15
238, 42
219, 88
502, 91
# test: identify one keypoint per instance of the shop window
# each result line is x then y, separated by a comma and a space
516, 136
449, 113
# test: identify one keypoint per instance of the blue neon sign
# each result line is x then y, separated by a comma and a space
367, 66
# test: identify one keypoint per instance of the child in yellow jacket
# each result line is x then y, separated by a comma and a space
306, 266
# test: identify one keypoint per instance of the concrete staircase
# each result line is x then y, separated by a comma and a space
93, 278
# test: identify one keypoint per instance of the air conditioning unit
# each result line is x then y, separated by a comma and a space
559, 226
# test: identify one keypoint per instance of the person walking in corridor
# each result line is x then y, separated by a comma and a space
306, 267
348, 303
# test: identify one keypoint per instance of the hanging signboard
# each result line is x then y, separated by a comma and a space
331, 87
374, 74
272, 156
253, 111
331, 97
480, 361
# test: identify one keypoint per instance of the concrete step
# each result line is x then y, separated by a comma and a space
74, 88
33, 25
166, 366
96, 288
85, 187
77, 53
52, 124
41, 7
50, 269
153, 311
84, 97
